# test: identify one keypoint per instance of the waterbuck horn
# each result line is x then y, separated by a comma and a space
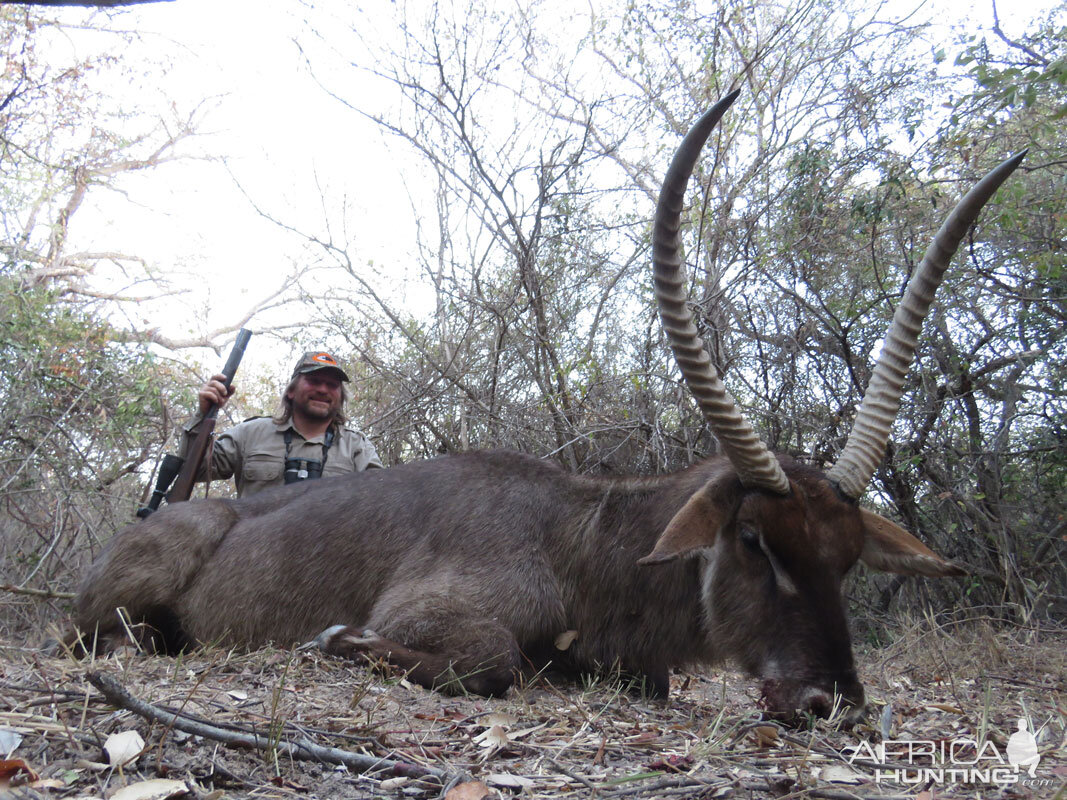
755, 464
870, 432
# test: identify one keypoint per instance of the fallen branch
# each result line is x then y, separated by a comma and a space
684, 784
45, 593
302, 750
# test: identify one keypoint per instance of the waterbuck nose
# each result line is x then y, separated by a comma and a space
795, 700
817, 703
853, 697
848, 701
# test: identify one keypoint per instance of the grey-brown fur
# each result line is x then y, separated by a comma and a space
495, 535
466, 569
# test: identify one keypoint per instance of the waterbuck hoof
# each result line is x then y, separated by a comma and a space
329, 640
322, 641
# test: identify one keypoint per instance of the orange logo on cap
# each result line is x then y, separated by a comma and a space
324, 358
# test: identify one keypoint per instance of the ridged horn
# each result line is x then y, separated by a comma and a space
870, 432
755, 464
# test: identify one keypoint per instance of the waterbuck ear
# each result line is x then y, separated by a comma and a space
695, 525
890, 548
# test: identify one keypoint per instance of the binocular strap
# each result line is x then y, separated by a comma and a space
327, 442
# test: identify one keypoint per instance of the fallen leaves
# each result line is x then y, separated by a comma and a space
672, 763
155, 789
15, 771
948, 709
494, 737
471, 790
765, 736
498, 718
509, 781
10, 739
122, 749
541, 741
839, 773
12, 767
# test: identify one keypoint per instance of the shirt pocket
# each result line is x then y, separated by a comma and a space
262, 467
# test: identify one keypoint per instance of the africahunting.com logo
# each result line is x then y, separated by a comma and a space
962, 760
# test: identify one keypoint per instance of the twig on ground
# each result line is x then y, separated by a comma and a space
571, 774
54, 695
221, 769
299, 750
840, 794
1017, 681
47, 594
668, 785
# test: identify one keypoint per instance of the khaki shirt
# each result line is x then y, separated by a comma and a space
253, 452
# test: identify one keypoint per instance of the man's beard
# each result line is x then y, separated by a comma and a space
315, 411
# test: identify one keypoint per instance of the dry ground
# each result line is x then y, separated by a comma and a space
545, 739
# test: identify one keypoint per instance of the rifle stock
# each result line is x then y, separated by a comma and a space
182, 489
186, 471
168, 471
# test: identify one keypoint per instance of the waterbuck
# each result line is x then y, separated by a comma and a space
464, 570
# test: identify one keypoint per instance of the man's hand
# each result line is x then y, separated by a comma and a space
214, 392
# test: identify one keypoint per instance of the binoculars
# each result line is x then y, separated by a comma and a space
302, 469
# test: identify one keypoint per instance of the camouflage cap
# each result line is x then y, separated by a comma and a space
314, 360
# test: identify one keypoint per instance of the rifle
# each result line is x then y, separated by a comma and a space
185, 469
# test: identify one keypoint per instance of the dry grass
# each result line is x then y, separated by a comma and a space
970, 680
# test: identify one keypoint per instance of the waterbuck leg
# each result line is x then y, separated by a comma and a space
478, 656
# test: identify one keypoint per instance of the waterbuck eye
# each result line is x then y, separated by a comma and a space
749, 538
